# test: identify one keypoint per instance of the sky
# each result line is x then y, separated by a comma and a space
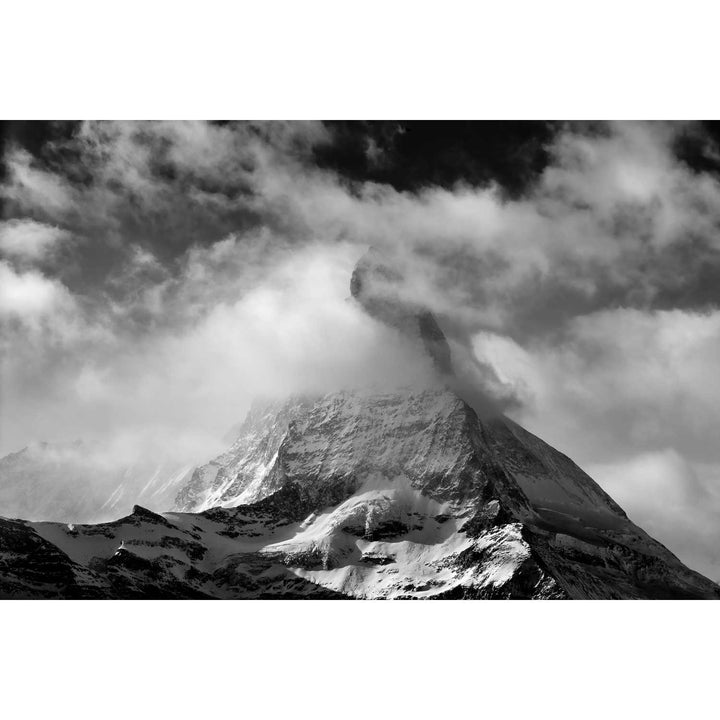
155, 277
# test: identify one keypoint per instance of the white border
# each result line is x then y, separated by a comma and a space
369, 60
334, 659
622, 59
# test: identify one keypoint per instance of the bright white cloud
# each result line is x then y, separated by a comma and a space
295, 330
24, 239
30, 296
35, 188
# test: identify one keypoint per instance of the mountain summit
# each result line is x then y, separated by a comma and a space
411, 494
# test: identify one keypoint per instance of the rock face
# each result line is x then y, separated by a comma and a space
413, 494
352, 496
240, 475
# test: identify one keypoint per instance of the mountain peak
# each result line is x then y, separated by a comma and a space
367, 480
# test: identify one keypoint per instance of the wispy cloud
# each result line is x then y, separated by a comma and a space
27, 240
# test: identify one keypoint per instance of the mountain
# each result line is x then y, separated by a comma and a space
419, 493
379, 496
80, 483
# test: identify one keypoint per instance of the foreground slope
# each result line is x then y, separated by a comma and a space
382, 496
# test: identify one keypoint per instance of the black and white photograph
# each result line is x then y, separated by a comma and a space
424, 360
301, 304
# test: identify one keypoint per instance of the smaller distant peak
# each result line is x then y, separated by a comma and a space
143, 513
55, 446
140, 510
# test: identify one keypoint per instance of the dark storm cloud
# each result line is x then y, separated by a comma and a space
163, 187
608, 216
576, 237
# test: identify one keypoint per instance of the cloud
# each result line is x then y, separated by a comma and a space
35, 189
24, 239
293, 330
615, 218
30, 297
639, 378
673, 500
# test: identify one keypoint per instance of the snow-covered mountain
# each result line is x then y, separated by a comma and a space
420, 493
380, 496
75, 482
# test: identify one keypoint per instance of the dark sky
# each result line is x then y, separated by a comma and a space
414, 153
154, 277
420, 153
